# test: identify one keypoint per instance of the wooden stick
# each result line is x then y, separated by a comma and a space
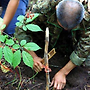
46, 58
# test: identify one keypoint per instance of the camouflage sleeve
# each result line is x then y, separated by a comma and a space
43, 6
82, 50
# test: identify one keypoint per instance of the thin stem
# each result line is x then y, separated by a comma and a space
32, 77
20, 77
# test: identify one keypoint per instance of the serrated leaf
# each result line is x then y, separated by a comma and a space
23, 42
27, 59
32, 46
19, 24
8, 54
16, 46
0, 53
16, 58
9, 42
24, 28
33, 27
20, 18
2, 38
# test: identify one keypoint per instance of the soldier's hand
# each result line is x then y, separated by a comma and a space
38, 66
59, 81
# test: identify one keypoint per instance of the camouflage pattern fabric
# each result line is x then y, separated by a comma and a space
48, 17
43, 6
82, 51
47, 10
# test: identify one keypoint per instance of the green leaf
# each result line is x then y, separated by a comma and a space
0, 53
32, 46
16, 46
33, 27
29, 20
27, 59
8, 54
19, 24
24, 28
35, 16
2, 38
17, 41
9, 42
16, 58
3, 26
20, 18
23, 42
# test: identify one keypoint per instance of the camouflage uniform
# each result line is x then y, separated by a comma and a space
82, 51
48, 17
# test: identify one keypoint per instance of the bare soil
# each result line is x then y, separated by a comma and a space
78, 78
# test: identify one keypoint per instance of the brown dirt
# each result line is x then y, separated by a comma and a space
78, 79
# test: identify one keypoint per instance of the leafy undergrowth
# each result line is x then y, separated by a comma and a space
78, 79
10, 81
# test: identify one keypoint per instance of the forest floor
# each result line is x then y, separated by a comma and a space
27, 79
78, 79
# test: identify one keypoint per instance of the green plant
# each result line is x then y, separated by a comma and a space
13, 51
24, 22
2, 26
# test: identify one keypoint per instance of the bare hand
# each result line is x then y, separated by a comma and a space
59, 81
38, 66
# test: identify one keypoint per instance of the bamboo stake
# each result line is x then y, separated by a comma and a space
46, 58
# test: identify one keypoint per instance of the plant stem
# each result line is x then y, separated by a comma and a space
20, 77
32, 77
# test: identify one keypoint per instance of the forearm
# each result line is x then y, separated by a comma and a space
10, 11
32, 53
67, 68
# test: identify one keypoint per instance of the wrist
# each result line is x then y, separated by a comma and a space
64, 71
67, 68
